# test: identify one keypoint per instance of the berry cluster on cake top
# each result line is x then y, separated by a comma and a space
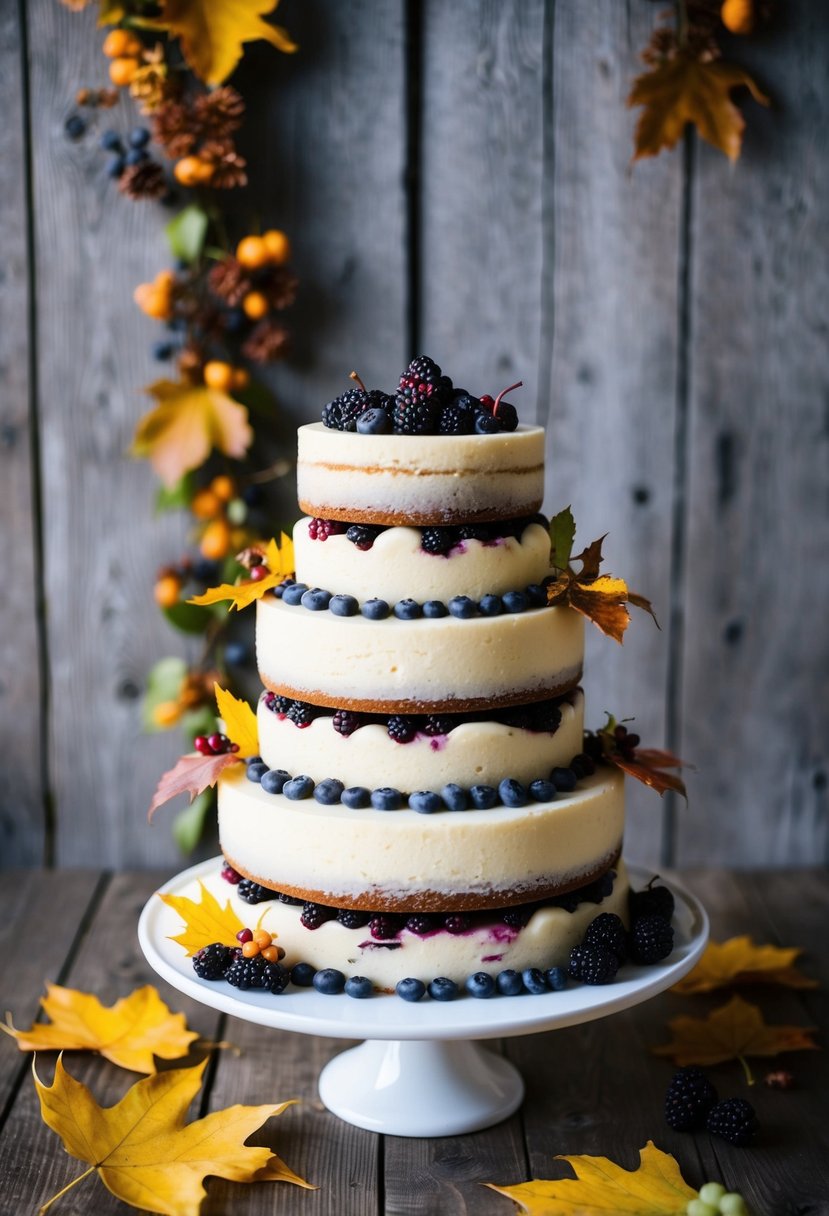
425, 402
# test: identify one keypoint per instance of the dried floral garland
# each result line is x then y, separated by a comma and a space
221, 308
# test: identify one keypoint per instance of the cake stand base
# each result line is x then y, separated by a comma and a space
421, 1088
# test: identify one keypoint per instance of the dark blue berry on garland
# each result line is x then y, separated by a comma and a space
115, 166
110, 141
139, 137
163, 350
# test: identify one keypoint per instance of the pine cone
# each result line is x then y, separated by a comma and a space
146, 180
268, 342
219, 113
229, 172
280, 287
228, 280
173, 128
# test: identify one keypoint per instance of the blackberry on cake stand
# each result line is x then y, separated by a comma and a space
420, 1070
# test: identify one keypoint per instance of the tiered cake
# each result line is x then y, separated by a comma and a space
422, 805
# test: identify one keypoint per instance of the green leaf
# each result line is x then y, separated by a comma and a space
164, 681
562, 531
189, 618
110, 12
175, 497
201, 721
188, 825
186, 233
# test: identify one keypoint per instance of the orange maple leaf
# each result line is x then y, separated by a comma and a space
240, 722
205, 920
684, 89
731, 1032
279, 560
188, 421
212, 32
741, 961
190, 775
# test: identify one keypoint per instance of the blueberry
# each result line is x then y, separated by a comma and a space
359, 987
205, 570
374, 422
139, 137
111, 142
302, 974
115, 166
298, 787
329, 791
485, 424
434, 609
514, 601
542, 791
536, 595
279, 589
273, 781
75, 126
329, 981
407, 610
480, 985
344, 605
491, 605
512, 792
256, 771
236, 653
509, 983
534, 981
557, 978
135, 156
162, 350
356, 796
455, 797
235, 322
426, 802
443, 989
293, 593
462, 607
483, 797
386, 799
316, 600
564, 779
376, 610
411, 989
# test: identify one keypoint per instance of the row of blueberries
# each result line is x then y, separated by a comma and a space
316, 599
510, 792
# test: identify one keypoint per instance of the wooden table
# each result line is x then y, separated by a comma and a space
591, 1089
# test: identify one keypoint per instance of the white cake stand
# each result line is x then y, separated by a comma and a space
418, 1073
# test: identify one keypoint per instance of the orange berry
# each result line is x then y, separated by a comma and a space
167, 590
193, 171
119, 43
255, 305
218, 375
250, 950
252, 252
166, 713
164, 280
738, 16
262, 937
241, 378
122, 71
278, 246
216, 540
223, 487
205, 504
152, 301
270, 954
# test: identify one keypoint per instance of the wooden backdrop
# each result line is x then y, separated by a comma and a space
456, 179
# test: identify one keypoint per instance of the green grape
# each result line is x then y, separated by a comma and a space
696, 1207
733, 1204
712, 1193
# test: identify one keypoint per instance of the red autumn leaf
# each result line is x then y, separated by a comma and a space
190, 775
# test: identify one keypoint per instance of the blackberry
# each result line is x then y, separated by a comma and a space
436, 540
420, 394
313, 915
352, 918
652, 901
321, 529
421, 924
689, 1098
275, 978
506, 416
608, 930
247, 973
289, 899
414, 414
384, 925
362, 535
475, 532
342, 413
593, 964
253, 892
458, 415
545, 716
651, 940
211, 962
734, 1121
517, 917
277, 704
435, 724
456, 923
301, 713
402, 729
346, 722
582, 766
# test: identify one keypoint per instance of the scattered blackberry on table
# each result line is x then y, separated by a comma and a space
734, 1120
211, 962
253, 892
345, 722
608, 930
313, 915
689, 1098
593, 964
384, 925
651, 939
302, 713
275, 978
362, 536
353, 918
247, 973
401, 728
437, 540
652, 901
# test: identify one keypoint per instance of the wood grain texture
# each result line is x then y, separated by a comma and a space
22, 807
756, 661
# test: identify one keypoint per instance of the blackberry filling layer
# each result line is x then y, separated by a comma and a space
437, 540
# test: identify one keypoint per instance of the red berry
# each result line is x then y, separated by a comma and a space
257, 573
234, 747
487, 402
230, 875
202, 745
244, 935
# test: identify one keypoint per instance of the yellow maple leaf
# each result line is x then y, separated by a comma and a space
601, 1187
143, 1150
129, 1033
189, 420
240, 721
205, 922
732, 1032
212, 32
741, 961
280, 562
682, 90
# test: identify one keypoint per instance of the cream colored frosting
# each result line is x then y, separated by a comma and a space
346, 854
397, 568
419, 479
546, 941
393, 664
474, 753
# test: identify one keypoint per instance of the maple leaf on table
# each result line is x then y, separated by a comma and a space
130, 1033
212, 32
143, 1150
205, 921
279, 560
188, 421
741, 961
655, 1188
685, 89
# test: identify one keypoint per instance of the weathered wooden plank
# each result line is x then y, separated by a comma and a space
102, 543
22, 811
756, 656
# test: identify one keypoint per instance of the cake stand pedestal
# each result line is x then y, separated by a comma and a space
419, 1072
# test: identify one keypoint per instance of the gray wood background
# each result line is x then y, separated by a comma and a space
456, 179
